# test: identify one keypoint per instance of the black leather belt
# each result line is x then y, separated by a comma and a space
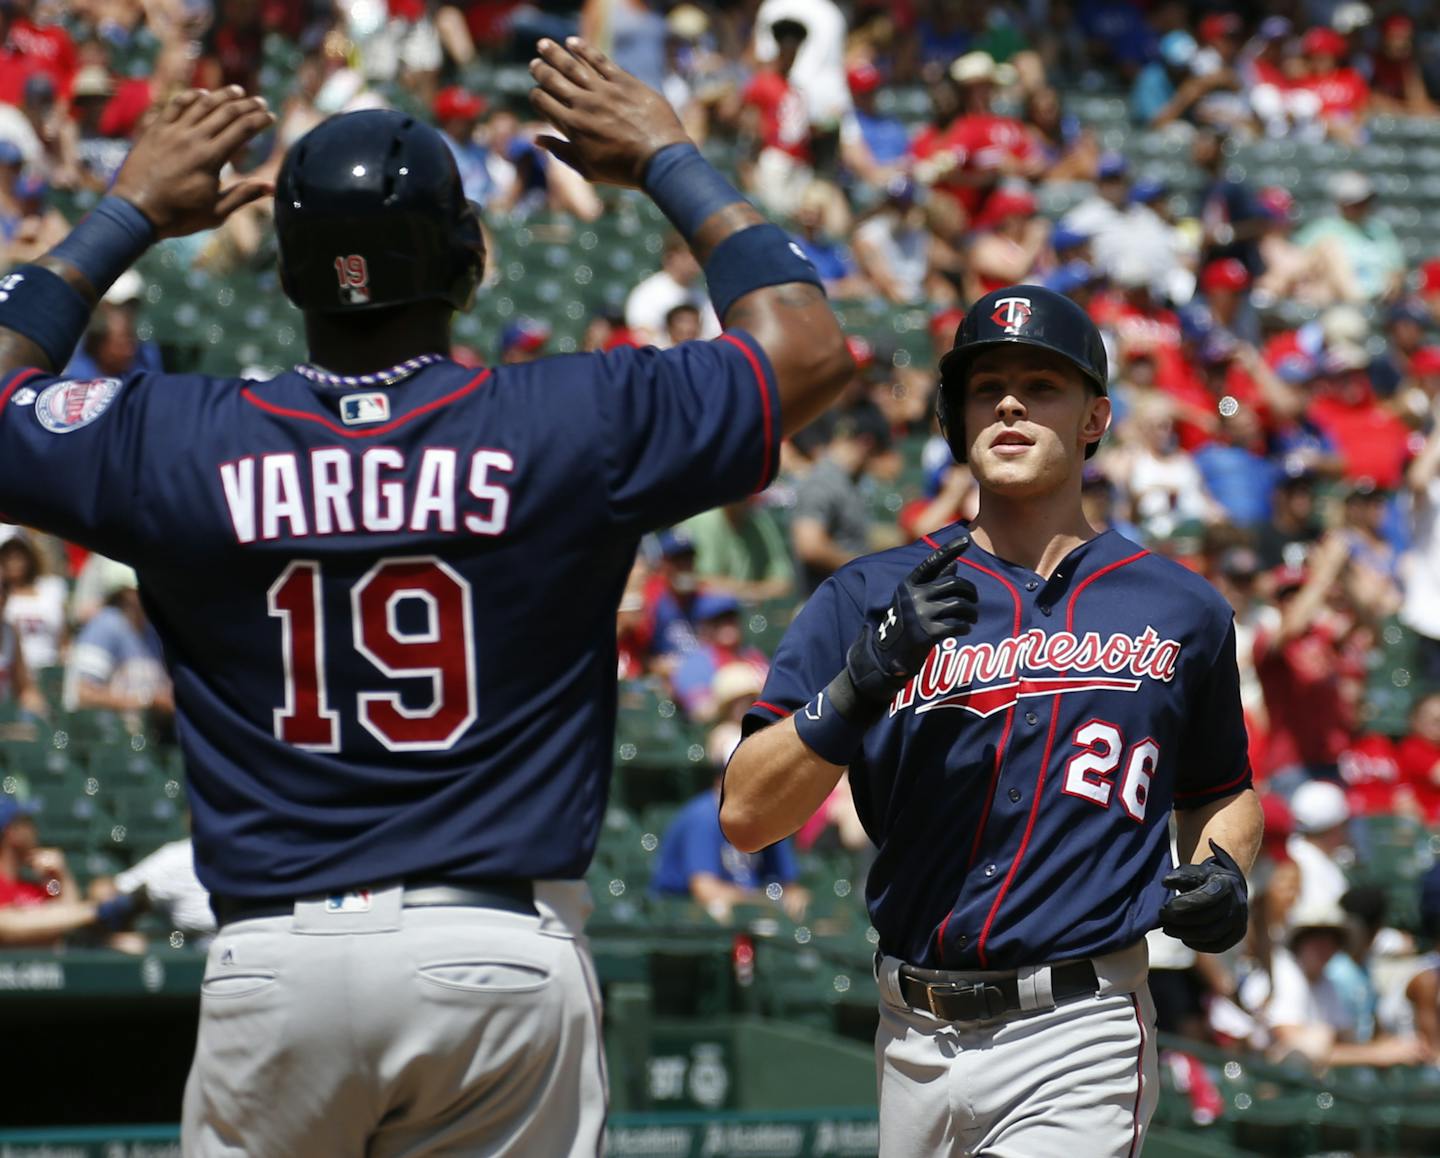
983, 996
508, 896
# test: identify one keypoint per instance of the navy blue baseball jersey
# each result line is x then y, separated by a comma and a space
389, 612
1019, 787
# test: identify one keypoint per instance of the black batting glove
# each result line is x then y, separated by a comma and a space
1211, 909
932, 604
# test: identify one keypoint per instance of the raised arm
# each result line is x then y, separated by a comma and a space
620, 132
169, 186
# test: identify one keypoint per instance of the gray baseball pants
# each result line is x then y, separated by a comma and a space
1078, 1078
397, 1033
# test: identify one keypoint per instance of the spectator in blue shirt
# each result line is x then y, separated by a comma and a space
1158, 82
115, 661
831, 258
112, 347
1236, 472
457, 113
875, 147
697, 861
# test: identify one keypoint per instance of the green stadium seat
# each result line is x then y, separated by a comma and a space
34, 761
146, 817
68, 816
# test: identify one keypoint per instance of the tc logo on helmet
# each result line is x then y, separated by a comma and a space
1012, 314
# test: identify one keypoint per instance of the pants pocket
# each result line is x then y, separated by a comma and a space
486, 976
230, 985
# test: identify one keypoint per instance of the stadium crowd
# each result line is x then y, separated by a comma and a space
1275, 373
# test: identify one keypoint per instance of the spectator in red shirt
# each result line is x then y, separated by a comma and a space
1418, 756
1396, 83
776, 115
1343, 94
1371, 440
1428, 287
967, 159
32, 48
43, 908
1303, 665
1372, 777
1011, 237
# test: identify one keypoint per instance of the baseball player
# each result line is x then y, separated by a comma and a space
1020, 703
387, 587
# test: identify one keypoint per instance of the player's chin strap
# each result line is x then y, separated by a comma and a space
933, 603
41, 305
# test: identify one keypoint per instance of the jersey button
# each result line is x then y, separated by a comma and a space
1014, 796
989, 870
1031, 585
1031, 718
1045, 609
962, 940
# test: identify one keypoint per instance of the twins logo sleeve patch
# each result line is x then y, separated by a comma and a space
64, 407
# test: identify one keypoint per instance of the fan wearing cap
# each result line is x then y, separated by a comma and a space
1372, 440
1302, 1009
457, 115
719, 643
1021, 861
874, 146
522, 340
1342, 91
1009, 240
966, 157
112, 346
1358, 237
776, 117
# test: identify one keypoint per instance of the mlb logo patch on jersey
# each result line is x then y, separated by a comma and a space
358, 409
67, 406
355, 901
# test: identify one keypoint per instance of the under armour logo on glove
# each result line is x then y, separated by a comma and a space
933, 603
890, 621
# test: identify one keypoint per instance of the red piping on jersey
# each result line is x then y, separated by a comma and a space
781, 712
999, 749
1089, 579
1044, 760
16, 382
764, 405
1139, 1078
305, 416
1217, 788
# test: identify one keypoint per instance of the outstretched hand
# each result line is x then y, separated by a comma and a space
612, 123
172, 175
932, 604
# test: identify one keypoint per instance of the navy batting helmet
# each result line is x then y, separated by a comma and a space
370, 212
1026, 315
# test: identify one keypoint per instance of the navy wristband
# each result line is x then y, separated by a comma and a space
39, 304
822, 727
107, 242
760, 256
686, 187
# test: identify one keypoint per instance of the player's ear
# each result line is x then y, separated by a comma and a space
1097, 419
